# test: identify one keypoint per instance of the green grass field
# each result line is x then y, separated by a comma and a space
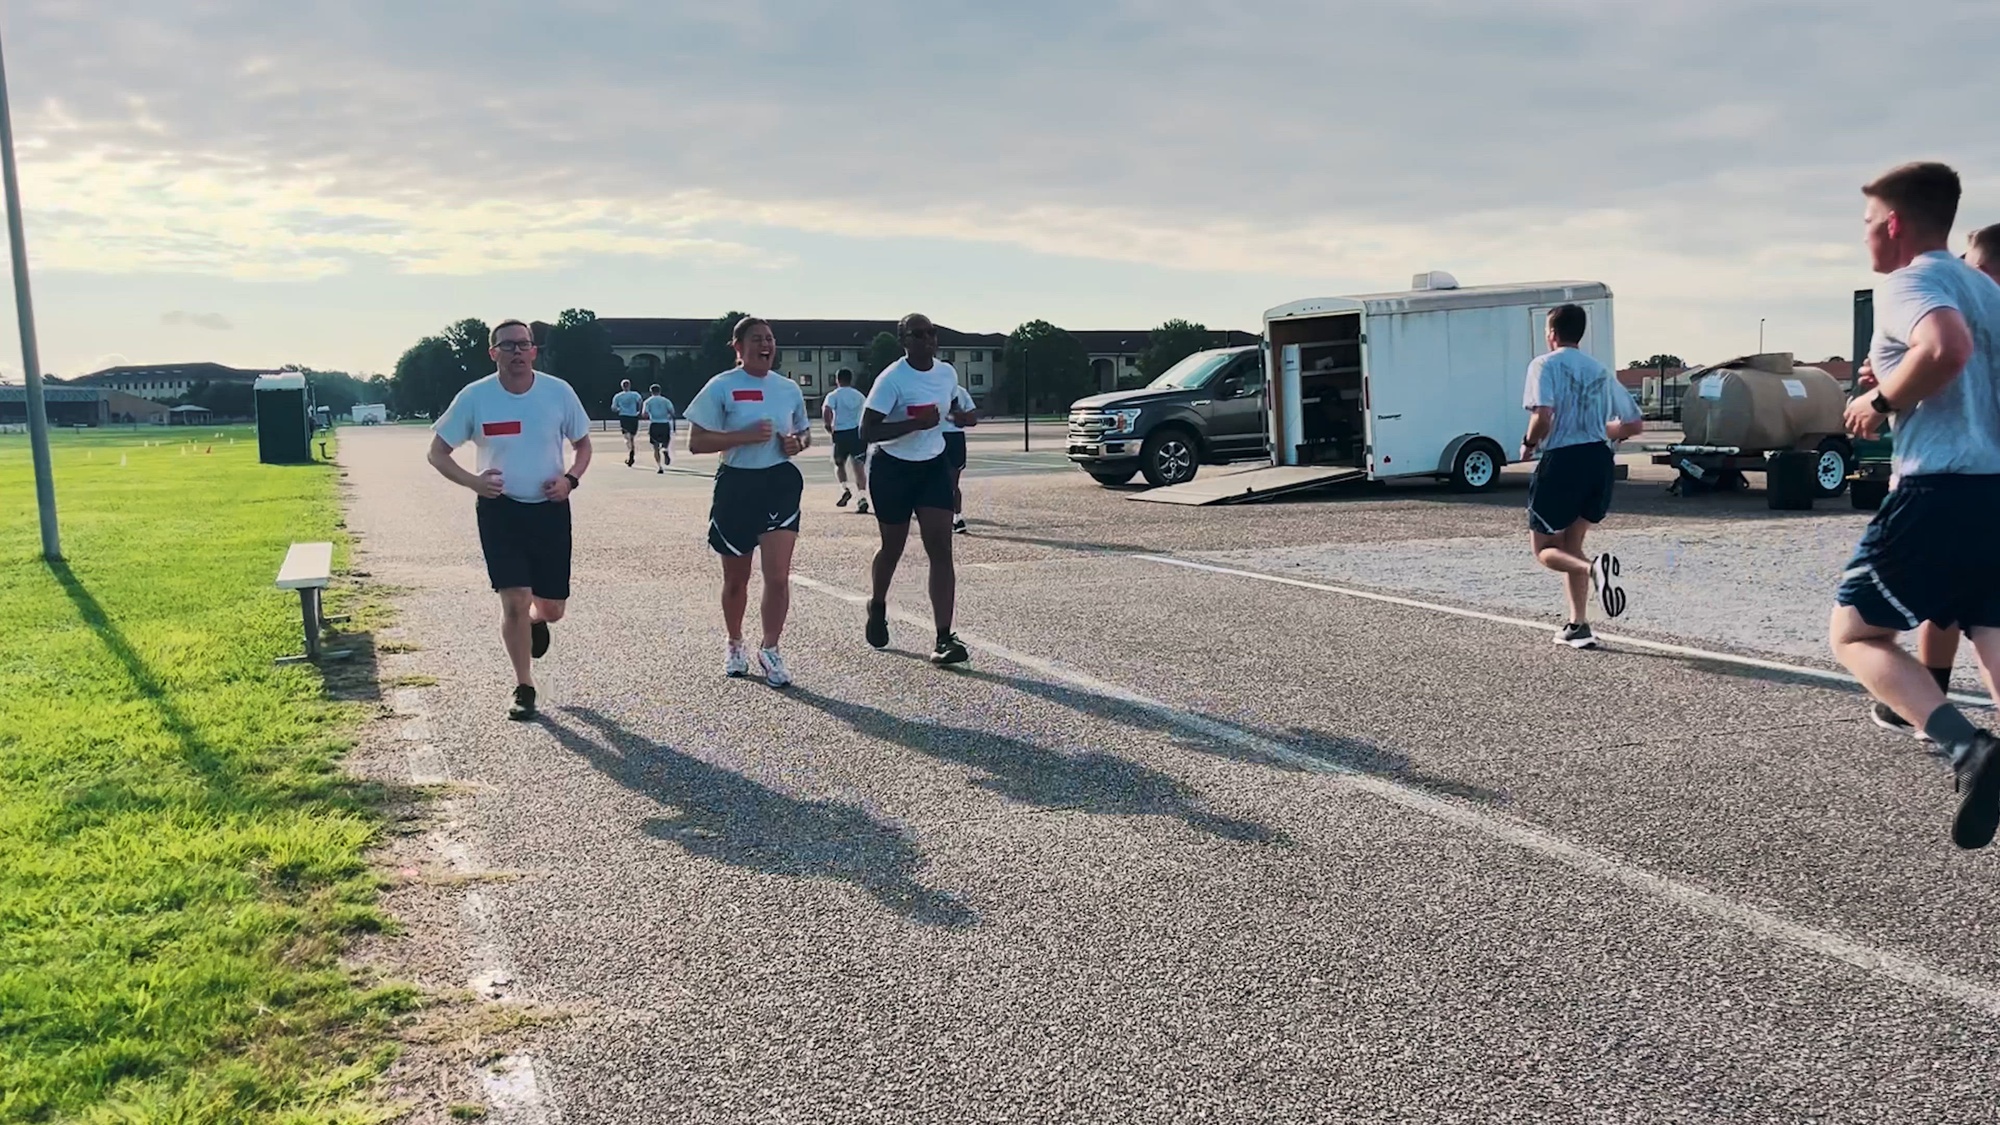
180, 857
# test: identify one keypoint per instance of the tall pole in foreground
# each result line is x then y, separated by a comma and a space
1024, 400
31, 359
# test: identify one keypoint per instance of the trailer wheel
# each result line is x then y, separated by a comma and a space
1477, 467
1836, 460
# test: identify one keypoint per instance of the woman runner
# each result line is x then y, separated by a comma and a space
756, 419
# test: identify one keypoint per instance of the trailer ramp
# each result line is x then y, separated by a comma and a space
1248, 486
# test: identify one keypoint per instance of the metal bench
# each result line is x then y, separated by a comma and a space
309, 570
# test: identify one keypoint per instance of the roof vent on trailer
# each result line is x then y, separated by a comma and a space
1435, 279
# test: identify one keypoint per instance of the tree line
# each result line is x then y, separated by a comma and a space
576, 349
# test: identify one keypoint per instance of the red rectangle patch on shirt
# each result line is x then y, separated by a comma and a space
500, 429
747, 396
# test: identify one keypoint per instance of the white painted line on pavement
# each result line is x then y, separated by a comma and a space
1498, 826
512, 1090
1538, 626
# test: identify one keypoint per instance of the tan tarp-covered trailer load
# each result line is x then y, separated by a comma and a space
1762, 402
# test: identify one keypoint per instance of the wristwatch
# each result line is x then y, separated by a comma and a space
1882, 404
574, 483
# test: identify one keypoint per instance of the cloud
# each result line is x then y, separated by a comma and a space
1354, 142
214, 322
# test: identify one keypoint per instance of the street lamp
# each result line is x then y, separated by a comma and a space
31, 360
1760, 335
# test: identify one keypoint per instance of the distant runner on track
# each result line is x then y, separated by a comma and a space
626, 405
659, 411
842, 414
1576, 413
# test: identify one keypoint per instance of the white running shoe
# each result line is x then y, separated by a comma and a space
1604, 573
774, 667
735, 662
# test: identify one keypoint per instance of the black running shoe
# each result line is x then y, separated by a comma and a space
845, 496
1577, 636
524, 704
878, 624
629, 458
958, 526
861, 506
1978, 768
538, 633
950, 650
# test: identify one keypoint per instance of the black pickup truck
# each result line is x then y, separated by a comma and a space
1206, 409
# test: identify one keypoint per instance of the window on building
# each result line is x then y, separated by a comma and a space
978, 380
949, 356
1131, 361
978, 357
833, 356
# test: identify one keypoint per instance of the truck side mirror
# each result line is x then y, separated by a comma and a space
1230, 387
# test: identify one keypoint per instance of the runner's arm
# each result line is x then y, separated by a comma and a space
448, 467
1541, 419
701, 440
876, 427
1940, 347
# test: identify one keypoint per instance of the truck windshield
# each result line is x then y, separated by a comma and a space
1191, 372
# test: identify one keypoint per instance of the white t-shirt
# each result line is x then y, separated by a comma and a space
961, 399
658, 408
900, 387
520, 435
738, 400
846, 404
1584, 396
626, 403
1956, 430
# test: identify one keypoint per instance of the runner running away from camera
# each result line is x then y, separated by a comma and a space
963, 413
626, 405
659, 412
1937, 646
1930, 552
842, 414
756, 418
1577, 412
518, 419
912, 478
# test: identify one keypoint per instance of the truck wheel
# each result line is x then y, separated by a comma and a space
1114, 479
1168, 457
1477, 468
1836, 460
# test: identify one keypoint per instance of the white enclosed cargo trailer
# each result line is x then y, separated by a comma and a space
1426, 382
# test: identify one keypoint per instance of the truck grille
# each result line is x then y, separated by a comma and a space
1088, 427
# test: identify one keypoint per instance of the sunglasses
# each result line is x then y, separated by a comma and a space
514, 345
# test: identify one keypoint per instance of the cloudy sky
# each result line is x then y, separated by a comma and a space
324, 182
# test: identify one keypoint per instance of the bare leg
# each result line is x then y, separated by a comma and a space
935, 526
957, 497
1937, 646
894, 537
1986, 647
516, 612
1563, 554
1889, 673
840, 470
735, 593
548, 611
861, 473
776, 547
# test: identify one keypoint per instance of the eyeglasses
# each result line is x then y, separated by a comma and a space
514, 345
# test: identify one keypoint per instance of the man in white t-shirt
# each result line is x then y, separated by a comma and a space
912, 478
963, 413
1929, 555
626, 404
1577, 412
519, 419
842, 414
659, 412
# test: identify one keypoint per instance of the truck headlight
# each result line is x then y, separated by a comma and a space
1122, 421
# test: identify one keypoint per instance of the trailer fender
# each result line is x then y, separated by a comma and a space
1449, 460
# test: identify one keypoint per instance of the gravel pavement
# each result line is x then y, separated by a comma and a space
1183, 846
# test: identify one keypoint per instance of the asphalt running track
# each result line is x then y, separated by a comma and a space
1180, 844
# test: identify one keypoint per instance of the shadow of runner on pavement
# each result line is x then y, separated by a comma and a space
724, 816
1337, 751
1088, 781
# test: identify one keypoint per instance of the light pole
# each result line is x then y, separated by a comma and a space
31, 360
1760, 335
1024, 400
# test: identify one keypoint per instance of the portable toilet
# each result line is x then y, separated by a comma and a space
284, 421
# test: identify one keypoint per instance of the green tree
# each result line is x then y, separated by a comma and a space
718, 352
336, 390
1169, 344
579, 353
882, 351
1050, 364
471, 348
228, 399
379, 391
1669, 361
